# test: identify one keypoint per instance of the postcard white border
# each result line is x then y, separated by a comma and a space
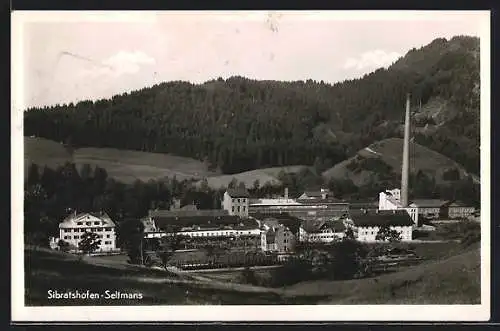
21, 313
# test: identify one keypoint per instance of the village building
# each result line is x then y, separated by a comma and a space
321, 231
366, 225
236, 202
310, 205
321, 194
276, 237
75, 225
458, 209
430, 208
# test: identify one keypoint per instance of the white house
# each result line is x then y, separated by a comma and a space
366, 225
236, 201
75, 225
391, 200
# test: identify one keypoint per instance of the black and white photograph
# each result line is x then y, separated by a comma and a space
250, 165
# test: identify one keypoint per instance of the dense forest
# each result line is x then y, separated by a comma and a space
240, 124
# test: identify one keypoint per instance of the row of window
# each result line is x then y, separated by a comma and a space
89, 223
239, 210
205, 234
86, 229
78, 237
239, 200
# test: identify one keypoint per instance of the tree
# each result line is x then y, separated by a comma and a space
349, 234
130, 233
256, 184
168, 245
385, 233
233, 183
89, 242
63, 245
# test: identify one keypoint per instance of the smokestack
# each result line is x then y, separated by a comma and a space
286, 193
406, 156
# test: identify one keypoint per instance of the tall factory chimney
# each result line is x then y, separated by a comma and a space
405, 171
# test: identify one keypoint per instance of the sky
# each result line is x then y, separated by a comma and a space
72, 56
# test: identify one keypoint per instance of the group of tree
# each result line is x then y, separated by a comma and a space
50, 195
239, 124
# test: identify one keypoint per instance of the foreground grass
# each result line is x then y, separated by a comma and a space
455, 280
452, 280
46, 271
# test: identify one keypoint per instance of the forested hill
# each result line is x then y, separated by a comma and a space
239, 124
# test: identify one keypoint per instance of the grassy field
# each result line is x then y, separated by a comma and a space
63, 272
456, 280
390, 151
265, 175
452, 280
123, 165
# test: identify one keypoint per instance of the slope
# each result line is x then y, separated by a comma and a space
456, 280
263, 176
383, 160
123, 165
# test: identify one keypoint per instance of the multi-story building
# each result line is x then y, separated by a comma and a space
276, 237
391, 200
236, 201
307, 207
366, 225
75, 225
321, 231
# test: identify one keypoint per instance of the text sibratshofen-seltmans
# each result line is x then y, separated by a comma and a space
88, 295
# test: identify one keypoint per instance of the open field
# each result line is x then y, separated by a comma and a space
123, 165
390, 152
127, 166
265, 175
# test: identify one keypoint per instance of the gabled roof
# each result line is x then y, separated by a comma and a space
291, 222
382, 218
238, 192
316, 226
429, 203
459, 204
80, 217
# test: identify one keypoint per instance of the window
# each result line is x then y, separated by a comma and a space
88, 223
96, 223
238, 209
76, 237
107, 242
244, 208
232, 209
79, 223
234, 200
238, 200
108, 236
82, 230
65, 237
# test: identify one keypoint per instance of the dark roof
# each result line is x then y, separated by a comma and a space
430, 203
314, 226
188, 213
389, 218
164, 222
363, 204
190, 207
291, 222
238, 192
